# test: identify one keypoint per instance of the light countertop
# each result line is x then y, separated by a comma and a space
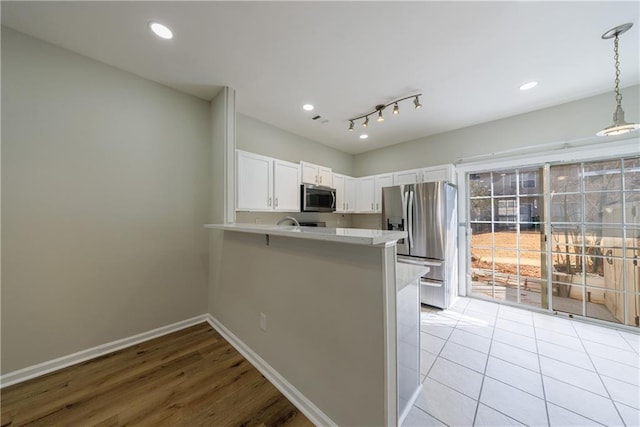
355, 236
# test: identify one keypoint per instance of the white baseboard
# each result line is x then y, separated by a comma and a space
311, 411
34, 371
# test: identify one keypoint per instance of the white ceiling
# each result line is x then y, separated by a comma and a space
466, 58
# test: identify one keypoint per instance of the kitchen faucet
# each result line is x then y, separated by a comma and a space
288, 218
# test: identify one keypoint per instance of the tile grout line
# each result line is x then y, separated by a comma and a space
544, 391
426, 376
484, 373
613, 402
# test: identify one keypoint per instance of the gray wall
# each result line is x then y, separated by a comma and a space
105, 187
261, 138
571, 121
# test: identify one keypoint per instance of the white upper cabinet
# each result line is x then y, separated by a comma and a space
380, 181
439, 173
365, 194
286, 187
445, 172
254, 189
407, 177
266, 184
315, 174
345, 193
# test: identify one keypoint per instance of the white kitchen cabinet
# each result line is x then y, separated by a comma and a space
345, 193
439, 173
254, 190
407, 177
266, 184
286, 187
365, 194
380, 181
316, 174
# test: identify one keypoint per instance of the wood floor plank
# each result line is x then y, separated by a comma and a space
191, 377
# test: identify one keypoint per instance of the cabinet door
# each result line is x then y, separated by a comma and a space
286, 186
338, 181
350, 194
254, 184
309, 173
364, 194
385, 180
439, 173
407, 177
325, 176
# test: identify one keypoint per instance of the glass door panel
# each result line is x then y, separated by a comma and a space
593, 238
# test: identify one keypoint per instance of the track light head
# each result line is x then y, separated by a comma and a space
366, 122
380, 117
396, 109
351, 125
417, 104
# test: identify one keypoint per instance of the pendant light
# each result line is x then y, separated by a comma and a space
619, 126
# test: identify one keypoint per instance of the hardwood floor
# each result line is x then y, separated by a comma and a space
192, 377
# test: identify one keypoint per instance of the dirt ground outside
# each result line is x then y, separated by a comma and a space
506, 262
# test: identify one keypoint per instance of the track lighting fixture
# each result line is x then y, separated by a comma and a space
619, 126
379, 108
416, 103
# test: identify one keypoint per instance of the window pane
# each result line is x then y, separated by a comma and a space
632, 174
480, 184
505, 183
603, 207
600, 176
632, 207
480, 210
568, 298
566, 208
506, 239
506, 210
605, 305
565, 178
633, 309
530, 181
531, 210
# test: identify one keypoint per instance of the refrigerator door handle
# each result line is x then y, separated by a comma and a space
410, 219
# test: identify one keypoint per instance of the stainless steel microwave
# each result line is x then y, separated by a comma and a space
316, 198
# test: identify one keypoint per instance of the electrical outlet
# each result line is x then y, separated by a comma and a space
263, 322
258, 221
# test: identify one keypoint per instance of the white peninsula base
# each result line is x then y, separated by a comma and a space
321, 313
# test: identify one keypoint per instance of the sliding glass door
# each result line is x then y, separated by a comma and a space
563, 237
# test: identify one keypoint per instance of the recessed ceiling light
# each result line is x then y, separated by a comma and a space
160, 30
364, 136
528, 85
307, 107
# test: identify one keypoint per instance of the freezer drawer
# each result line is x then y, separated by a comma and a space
436, 267
433, 292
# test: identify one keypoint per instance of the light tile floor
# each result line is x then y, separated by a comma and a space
485, 364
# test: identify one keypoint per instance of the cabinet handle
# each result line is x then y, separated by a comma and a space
276, 202
269, 201
320, 179
371, 206
377, 206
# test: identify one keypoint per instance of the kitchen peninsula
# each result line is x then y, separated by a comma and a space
318, 309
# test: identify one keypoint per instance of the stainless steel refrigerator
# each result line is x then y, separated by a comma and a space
428, 213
